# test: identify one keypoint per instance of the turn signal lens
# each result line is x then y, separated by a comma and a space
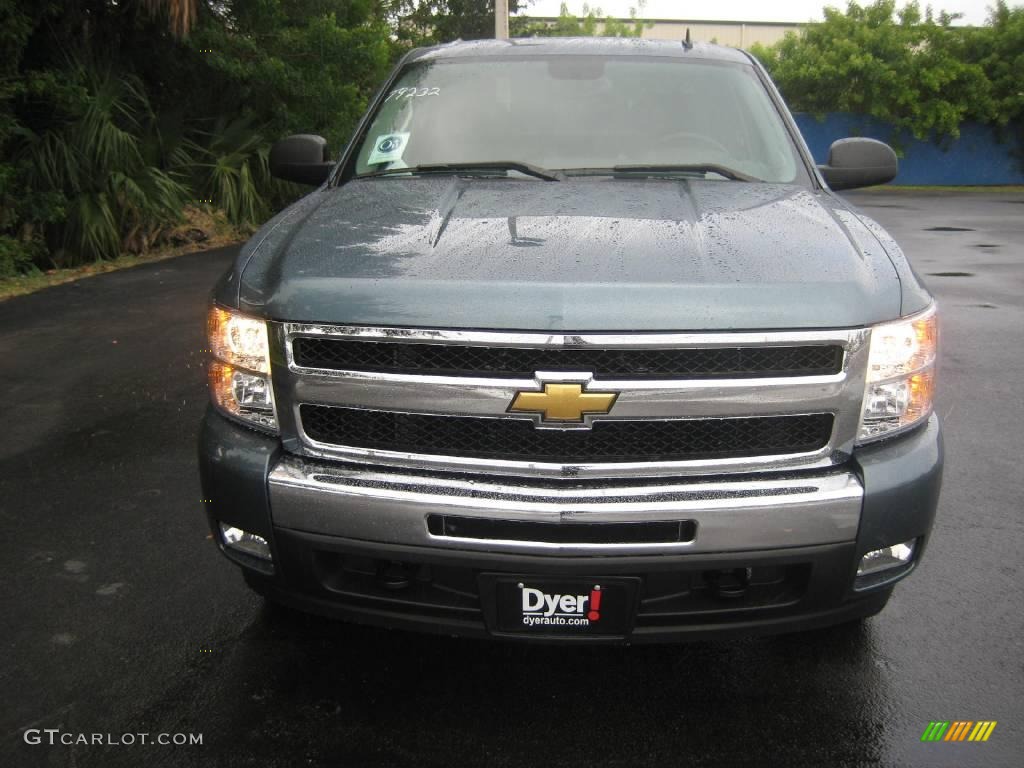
244, 395
900, 383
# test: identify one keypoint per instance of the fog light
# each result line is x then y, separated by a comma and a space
879, 564
243, 541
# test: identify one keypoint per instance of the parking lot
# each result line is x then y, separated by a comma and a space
123, 619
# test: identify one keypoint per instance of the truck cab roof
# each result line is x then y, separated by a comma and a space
581, 46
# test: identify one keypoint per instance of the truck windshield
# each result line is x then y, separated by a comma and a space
580, 115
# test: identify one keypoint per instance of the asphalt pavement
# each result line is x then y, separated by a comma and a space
120, 618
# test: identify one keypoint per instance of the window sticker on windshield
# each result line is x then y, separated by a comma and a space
388, 148
412, 93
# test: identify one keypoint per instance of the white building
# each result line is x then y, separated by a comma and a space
736, 34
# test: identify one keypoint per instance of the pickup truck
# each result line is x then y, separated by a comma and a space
574, 342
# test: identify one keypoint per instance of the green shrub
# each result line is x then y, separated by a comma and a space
16, 258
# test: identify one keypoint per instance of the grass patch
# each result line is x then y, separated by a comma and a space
201, 230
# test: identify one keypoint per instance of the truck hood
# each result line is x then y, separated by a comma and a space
590, 254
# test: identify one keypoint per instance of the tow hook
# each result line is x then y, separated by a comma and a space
394, 575
729, 583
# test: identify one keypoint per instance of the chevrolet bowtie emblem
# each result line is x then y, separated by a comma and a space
562, 402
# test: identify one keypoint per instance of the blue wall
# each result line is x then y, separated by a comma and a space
975, 158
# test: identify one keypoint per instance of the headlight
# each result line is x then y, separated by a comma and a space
901, 375
239, 339
239, 375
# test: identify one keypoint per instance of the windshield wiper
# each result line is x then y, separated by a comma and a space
490, 165
722, 170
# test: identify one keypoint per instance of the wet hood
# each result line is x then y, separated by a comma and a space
588, 254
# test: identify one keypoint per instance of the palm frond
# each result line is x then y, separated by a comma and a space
117, 198
235, 172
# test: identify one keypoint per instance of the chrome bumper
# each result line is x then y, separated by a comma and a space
392, 506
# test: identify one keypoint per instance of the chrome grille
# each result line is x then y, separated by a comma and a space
467, 360
736, 402
672, 440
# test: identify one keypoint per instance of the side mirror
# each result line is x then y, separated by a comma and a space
301, 158
859, 162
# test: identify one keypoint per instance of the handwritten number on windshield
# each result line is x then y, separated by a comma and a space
412, 93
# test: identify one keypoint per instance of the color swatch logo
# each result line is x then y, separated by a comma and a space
958, 730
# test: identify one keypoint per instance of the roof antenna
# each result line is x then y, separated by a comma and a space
686, 43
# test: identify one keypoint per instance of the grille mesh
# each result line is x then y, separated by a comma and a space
438, 359
608, 441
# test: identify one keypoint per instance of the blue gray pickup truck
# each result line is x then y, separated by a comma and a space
574, 342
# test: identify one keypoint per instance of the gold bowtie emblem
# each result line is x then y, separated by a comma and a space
563, 402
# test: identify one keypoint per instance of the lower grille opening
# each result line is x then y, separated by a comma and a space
673, 598
668, 532
608, 441
667, 598
416, 588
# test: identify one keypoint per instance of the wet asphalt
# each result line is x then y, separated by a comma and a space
119, 617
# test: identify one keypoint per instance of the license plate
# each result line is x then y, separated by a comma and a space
537, 605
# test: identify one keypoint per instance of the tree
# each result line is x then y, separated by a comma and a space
998, 48
426, 22
181, 14
909, 69
113, 115
590, 24
292, 65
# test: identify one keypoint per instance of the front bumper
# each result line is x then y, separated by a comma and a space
362, 543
